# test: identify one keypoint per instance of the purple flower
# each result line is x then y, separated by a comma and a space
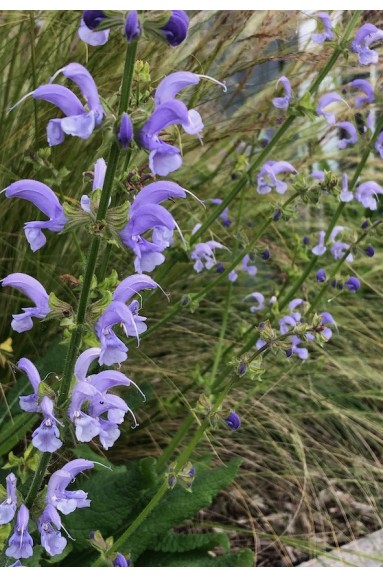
233, 276
8, 507
328, 33
224, 216
30, 403
338, 248
89, 21
36, 292
365, 87
203, 253
171, 85
324, 102
370, 251
301, 352
176, 28
77, 121
320, 249
163, 158
233, 421
345, 195
251, 269
49, 526
267, 177
58, 496
46, 437
20, 543
353, 284
146, 214
367, 193
121, 561
113, 350
16, 564
349, 128
321, 275
92, 391
132, 26
292, 318
319, 175
366, 35
327, 319
93, 18
283, 102
125, 133
259, 298
46, 201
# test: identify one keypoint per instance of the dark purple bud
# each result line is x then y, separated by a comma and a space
365, 224
233, 421
266, 255
353, 284
306, 240
277, 215
220, 267
92, 535
192, 472
93, 18
121, 561
321, 276
242, 368
370, 251
234, 177
125, 133
172, 480
289, 352
132, 26
176, 29
261, 325
333, 283
339, 285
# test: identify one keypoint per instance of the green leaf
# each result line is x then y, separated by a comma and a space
14, 430
197, 558
178, 505
176, 542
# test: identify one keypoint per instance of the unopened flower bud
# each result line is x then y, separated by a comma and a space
121, 561
233, 421
176, 29
266, 255
370, 251
132, 26
93, 18
321, 275
353, 284
125, 133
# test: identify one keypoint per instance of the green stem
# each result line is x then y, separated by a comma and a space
221, 338
37, 479
175, 441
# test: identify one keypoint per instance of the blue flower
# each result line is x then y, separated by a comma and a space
365, 87
89, 21
58, 496
46, 437
346, 195
36, 292
49, 526
327, 34
147, 214
20, 543
203, 253
366, 35
30, 403
176, 28
324, 102
367, 193
282, 102
8, 507
349, 128
78, 121
46, 201
321, 275
259, 298
267, 177
250, 269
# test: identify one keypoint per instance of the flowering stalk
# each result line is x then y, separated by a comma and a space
280, 132
311, 264
339, 265
89, 271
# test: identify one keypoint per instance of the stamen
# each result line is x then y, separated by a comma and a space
55, 75
136, 386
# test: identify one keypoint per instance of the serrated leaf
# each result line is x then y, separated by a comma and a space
178, 505
244, 558
176, 542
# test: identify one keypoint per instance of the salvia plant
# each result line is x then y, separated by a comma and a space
128, 513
